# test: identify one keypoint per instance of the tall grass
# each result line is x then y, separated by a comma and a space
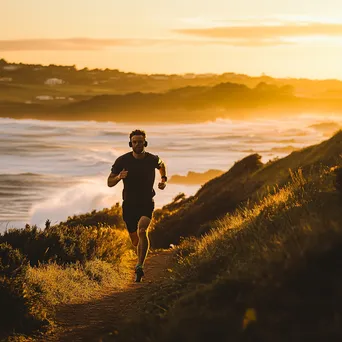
40, 270
253, 232
76, 283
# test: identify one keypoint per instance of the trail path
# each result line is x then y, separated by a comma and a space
89, 321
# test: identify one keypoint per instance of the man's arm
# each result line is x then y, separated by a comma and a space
113, 179
162, 171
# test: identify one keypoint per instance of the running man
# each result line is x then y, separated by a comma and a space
137, 170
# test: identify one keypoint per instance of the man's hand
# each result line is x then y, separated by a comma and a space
123, 174
161, 185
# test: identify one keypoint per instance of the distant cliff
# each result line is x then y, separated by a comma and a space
195, 177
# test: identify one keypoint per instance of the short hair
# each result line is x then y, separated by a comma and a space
137, 132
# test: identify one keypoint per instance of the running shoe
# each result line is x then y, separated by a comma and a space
139, 273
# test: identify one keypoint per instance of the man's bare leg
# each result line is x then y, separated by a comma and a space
143, 246
134, 238
144, 242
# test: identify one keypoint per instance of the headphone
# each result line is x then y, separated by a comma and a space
130, 143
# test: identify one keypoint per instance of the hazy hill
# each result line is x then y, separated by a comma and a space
184, 104
180, 105
66, 93
115, 81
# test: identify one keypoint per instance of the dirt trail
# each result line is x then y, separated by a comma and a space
89, 321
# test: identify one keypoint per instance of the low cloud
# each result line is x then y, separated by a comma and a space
258, 34
66, 44
238, 35
93, 44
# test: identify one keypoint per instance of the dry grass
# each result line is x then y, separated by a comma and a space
79, 282
247, 231
76, 283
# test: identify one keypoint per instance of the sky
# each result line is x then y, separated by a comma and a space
278, 38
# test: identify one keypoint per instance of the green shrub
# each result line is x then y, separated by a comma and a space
66, 244
11, 260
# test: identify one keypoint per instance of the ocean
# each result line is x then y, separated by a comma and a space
55, 169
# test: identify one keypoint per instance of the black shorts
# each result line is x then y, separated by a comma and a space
132, 212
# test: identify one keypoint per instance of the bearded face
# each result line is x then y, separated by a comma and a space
138, 144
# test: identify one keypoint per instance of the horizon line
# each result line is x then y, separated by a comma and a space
173, 73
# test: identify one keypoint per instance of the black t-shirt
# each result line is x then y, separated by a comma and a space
138, 185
